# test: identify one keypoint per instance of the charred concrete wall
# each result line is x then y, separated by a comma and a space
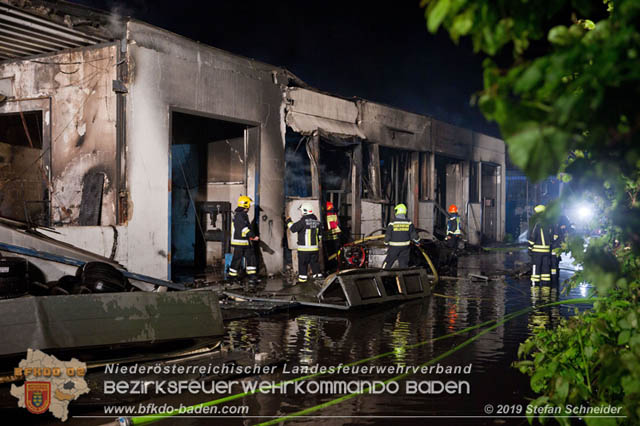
309, 111
168, 72
74, 92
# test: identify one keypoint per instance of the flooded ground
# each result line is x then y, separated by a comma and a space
329, 338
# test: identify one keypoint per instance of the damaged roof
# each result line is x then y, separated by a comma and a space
29, 28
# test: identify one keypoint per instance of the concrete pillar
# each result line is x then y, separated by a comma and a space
356, 190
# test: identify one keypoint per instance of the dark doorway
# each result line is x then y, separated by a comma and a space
208, 163
448, 186
489, 201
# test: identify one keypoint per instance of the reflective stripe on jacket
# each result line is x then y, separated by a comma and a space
540, 239
333, 229
453, 225
400, 232
241, 228
308, 229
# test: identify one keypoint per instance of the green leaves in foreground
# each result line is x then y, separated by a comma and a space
591, 359
562, 81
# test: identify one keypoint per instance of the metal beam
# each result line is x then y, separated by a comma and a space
313, 149
15, 16
45, 43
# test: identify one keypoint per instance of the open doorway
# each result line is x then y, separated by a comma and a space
489, 202
448, 186
394, 178
208, 173
335, 180
23, 178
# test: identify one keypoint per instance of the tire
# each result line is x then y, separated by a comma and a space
69, 283
14, 279
101, 277
36, 288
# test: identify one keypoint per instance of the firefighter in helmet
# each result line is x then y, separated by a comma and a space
332, 235
454, 230
540, 240
241, 234
398, 238
308, 229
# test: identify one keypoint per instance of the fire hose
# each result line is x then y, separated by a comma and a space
378, 237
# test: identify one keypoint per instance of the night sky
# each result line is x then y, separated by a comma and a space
379, 51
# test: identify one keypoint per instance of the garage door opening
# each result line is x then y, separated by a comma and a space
448, 186
208, 174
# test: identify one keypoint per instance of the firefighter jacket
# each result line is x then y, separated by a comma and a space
540, 238
308, 229
453, 225
241, 228
333, 228
400, 232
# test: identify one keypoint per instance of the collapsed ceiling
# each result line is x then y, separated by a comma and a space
29, 28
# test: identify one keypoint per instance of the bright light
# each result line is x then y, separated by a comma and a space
584, 287
584, 212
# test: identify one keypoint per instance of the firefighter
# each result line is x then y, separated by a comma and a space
540, 238
241, 234
398, 237
333, 233
454, 232
561, 230
308, 229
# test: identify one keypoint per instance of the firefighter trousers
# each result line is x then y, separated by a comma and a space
399, 253
308, 259
540, 268
240, 252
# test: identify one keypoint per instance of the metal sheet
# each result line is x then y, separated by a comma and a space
307, 124
25, 34
371, 286
101, 319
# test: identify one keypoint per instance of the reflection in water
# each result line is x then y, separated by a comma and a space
545, 317
400, 339
330, 338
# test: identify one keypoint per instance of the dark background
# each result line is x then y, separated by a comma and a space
380, 51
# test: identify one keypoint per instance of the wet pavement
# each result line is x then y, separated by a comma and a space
330, 338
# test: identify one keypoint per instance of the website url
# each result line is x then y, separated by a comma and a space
150, 409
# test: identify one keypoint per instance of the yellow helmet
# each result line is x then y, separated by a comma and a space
244, 202
400, 209
539, 208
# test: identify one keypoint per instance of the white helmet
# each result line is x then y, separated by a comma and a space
306, 208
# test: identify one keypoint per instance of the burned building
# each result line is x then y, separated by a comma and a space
132, 142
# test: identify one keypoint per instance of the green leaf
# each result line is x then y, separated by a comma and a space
599, 421
437, 15
462, 23
623, 337
529, 79
559, 35
562, 388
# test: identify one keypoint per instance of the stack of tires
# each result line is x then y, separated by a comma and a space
92, 277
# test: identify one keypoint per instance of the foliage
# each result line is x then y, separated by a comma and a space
562, 80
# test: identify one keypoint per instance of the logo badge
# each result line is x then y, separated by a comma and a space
37, 396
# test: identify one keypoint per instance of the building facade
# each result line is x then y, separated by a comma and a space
120, 138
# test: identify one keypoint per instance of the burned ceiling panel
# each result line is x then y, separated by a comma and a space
29, 30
